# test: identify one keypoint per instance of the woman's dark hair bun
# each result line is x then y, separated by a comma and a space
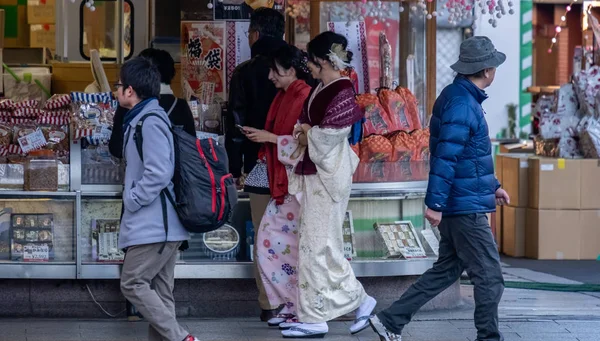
289, 56
321, 45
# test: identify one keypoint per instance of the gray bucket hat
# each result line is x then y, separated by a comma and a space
476, 54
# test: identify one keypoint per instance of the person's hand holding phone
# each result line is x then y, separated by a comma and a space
259, 136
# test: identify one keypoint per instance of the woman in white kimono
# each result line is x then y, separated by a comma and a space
328, 286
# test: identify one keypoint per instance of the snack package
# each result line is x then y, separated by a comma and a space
7, 104
27, 112
375, 160
589, 141
377, 121
32, 103
393, 104
6, 135
57, 101
553, 125
56, 136
566, 101
411, 107
22, 129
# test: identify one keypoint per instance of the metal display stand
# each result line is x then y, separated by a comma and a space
193, 270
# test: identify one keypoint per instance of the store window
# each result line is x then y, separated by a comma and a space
40, 230
99, 29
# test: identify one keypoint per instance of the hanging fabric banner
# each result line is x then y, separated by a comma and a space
355, 32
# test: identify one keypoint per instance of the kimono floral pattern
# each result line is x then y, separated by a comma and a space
277, 254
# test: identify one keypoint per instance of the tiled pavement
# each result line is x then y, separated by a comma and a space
245, 330
525, 315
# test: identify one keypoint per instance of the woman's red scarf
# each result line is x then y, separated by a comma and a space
283, 115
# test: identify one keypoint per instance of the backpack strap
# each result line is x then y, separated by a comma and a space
172, 107
164, 194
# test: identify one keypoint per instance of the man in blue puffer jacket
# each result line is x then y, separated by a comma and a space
462, 189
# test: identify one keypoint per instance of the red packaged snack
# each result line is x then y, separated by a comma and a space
375, 160
57, 101
377, 120
403, 156
393, 104
7, 104
411, 107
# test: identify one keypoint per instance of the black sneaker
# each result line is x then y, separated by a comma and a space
381, 330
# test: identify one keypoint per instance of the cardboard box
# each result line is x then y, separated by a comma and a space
513, 234
499, 228
41, 11
590, 184
552, 234
589, 221
554, 184
515, 175
43, 35
498, 167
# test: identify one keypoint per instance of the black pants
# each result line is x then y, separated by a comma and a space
466, 244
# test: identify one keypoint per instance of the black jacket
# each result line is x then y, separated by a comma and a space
180, 116
250, 96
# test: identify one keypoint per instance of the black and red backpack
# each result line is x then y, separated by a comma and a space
205, 192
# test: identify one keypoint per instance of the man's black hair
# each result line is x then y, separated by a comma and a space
268, 22
163, 60
142, 75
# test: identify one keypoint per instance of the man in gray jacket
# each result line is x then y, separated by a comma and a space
151, 241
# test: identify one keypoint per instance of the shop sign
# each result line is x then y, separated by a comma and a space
243, 9
203, 53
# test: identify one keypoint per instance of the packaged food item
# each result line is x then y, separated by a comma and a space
375, 160
27, 112
385, 62
57, 101
22, 129
411, 107
7, 104
56, 136
41, 171
32, 103
377, 121
393, 104
552, 126
6, 134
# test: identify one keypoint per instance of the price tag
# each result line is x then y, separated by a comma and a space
102, 132
33, 141
36, 253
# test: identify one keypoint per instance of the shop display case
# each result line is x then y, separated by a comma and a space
86, 212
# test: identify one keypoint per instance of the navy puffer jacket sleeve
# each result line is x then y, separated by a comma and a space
454, 133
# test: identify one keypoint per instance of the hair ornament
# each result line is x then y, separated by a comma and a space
338, 56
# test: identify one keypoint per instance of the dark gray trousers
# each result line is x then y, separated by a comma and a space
467, 244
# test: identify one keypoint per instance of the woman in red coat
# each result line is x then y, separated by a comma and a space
277, 238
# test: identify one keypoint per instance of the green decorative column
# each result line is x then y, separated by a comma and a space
526, 13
